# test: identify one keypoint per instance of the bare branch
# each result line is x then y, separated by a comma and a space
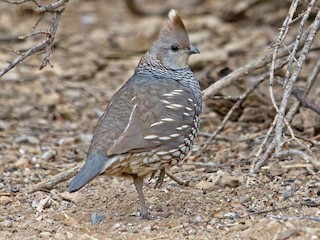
289, 86
56, 8
304, 101
54, 180
245, 70
53, 29
238, 104
38, 48
295, 152
259, 162
52, 7
283, 33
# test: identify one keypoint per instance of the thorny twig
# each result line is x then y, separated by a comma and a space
46, 45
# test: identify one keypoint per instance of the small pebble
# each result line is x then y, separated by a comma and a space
198, 219
231, 215
286, 194
97, 217
47, 155
34, 204
45, 235
69, 235
6, 224
59, 236
14, 189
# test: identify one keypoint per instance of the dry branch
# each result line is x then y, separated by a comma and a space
46, 45
54, 180
238, 104
290, 83
305, 102
250, 67
258, 162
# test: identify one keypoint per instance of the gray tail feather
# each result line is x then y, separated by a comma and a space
93, 167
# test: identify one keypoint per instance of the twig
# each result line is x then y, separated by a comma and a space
53, 29
56, 9
259, 162
283, 33
297, 41
40, 47
230, 138
230, 112
52, 7
304, 101
298, 165
237, 105
295, 152
16, 2
32, 33
269, 210
53, 181
289, 86
245, 70
176, 179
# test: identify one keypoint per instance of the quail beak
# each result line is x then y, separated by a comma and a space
193, 50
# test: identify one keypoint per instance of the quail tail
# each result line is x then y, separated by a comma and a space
94, 165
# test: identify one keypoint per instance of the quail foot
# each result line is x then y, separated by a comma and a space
152, 121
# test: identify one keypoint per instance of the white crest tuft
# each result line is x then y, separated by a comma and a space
172, 14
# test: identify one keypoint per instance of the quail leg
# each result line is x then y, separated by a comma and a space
138, 183
160, 179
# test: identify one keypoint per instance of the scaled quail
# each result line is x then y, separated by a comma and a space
152, 121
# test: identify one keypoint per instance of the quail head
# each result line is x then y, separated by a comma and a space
152, 121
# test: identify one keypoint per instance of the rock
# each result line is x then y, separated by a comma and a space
205, 186
59, 236
220, 179
66, 141
50, 99
47, 155
71, 222
6, 224
45, 235
229, 181
4, 200
198, 219
14, 189
69, 235
43, 203
75, 197
288, 193
276, 170
231, 215
97, 217
34, 203
22, 162
287, 234
27, 139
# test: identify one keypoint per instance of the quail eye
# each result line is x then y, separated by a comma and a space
174, 47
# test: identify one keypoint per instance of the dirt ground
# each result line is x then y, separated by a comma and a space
47, 118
